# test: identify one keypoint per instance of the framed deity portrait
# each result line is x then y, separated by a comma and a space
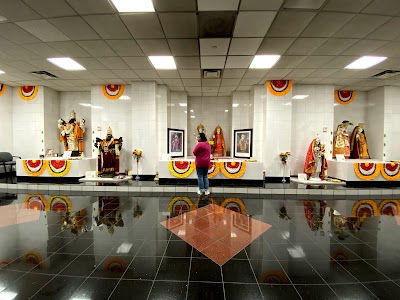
176, 142
243, 143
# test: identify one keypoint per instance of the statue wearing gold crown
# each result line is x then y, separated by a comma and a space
341, 142
108, 155
358, 143
72, 133
218, 148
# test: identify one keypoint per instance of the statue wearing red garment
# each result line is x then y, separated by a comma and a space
315, 164
219, 142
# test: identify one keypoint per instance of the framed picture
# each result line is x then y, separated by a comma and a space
243, 143
176, 142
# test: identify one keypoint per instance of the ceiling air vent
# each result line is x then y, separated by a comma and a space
386, 74
211, 73
44, 74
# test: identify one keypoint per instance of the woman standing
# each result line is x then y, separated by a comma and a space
202, 151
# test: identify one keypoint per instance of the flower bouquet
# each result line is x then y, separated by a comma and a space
137, 154
284, 156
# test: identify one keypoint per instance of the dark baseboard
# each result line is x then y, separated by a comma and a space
55, 180
372, 184
213, 182
276, 179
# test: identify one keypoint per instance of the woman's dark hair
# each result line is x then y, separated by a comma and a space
202, 137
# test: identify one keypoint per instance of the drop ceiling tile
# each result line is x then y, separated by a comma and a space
244, 88
277, 74
289, 62
364, 47
7, 77
211, 5
210, 89
79, 82
143, 26
20, 52
146, 74
388, 31
17, 10
234, 73
108, 26
334, 46
184, 47
260, 5
51, 8
187, 62
105, 74
16, 34
97, 48
300, 73
193, 89
244, 46
43, 30
347, 81
391, 64
75, 28
179, 25
367, 73
90, 7
391, 49
192, 82
322, 73
249, 81
168, 74
275, 45
212, 62
224, 94
43, 50
90, 63
214, 46
253, 24
61, 74
176, 88
345, 5
305, 46
125, 47
343, 73
211, 82
383, 7
255, 73
193, 94
63, 82
230, 81
173, 82
176, 5
339, 62
154, 47
290, 23
196, 73
138, 63
328, 81
114, 63
126, 74
309, 81
209, 94
325, 24
97, 81
227, 89
361, 25
238, 62
70, 49
85, 74
315, 61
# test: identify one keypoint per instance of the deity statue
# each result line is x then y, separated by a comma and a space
359, 146
315, 164
108, 155
72, 133
218, 149
341, 141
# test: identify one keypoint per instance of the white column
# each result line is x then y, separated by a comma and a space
6, 124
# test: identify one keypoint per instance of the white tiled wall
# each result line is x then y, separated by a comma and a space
177, 118
391, 121
375, 121
163, 95
51, 115
6, 124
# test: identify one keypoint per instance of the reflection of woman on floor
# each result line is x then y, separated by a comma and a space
109, 213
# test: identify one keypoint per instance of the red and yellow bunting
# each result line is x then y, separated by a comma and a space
58, 167
115, 265
365, 208
389, 207
344, 97
35, 202
35, 259
59, 204
234, 204
113, 91
180, 205
2, 88
279, 87
213, 169
391, 171
34, 167
181, 169
28, 92
367, 171
233, 169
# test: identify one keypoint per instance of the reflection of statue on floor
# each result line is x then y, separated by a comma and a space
315, 164
314, 214
72, 133
359, 146
75, 222
218, 149
109, 213
108, 155
341, 141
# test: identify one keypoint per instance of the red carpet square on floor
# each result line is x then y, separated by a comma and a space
216, 232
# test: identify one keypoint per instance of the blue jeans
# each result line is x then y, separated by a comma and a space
202, 178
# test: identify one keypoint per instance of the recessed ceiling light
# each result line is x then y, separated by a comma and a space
235, 104
264, 61
2, 72
133, 5
85, 104
299, 97
163, 62
185, 111
191, 110
226, 110
66, 63
366, 62
192, 117
124, 97
182, 104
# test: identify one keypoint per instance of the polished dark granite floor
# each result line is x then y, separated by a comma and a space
85, 247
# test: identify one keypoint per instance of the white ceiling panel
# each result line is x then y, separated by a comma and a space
388, 31
191, 82
16, 34
255, 73
125, 47
253, 24
7, 57
147, 74
275, 45
75, 28
299, 73
290, 23
51, 8
143, 26
383, 7
173, 82
289, 62
212, 62
244, 46
391, 49
361, 25
328, 81
90, 7
234, 73
305, 46
97, 81
249, 81
326, 24
335, 46
390, 64
260, 5
187, 62
196, 73
210, 89
85, 74
90, 63
154, 47
194, 94
114, 63
339, 62
61, 74
214, 46
211, 5
346, 6
322, 73
343, 73
238, 62
168, 74
176, 88
105, 74
309, 80
209, 94
277, 73
230, 81
16, 10
179, 25
224, 94
244, 88
227, 89
108, 26
63, 82
363, 47
368, 73
70, 49
184, 47
7, 77
43, 50
315, 61
141, 63
194, 89
97, 48
125, 74
79, 82
21, 53
176, 5
43, 30
211, 82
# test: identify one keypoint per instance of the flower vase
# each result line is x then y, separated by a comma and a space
137, 170
283, 172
